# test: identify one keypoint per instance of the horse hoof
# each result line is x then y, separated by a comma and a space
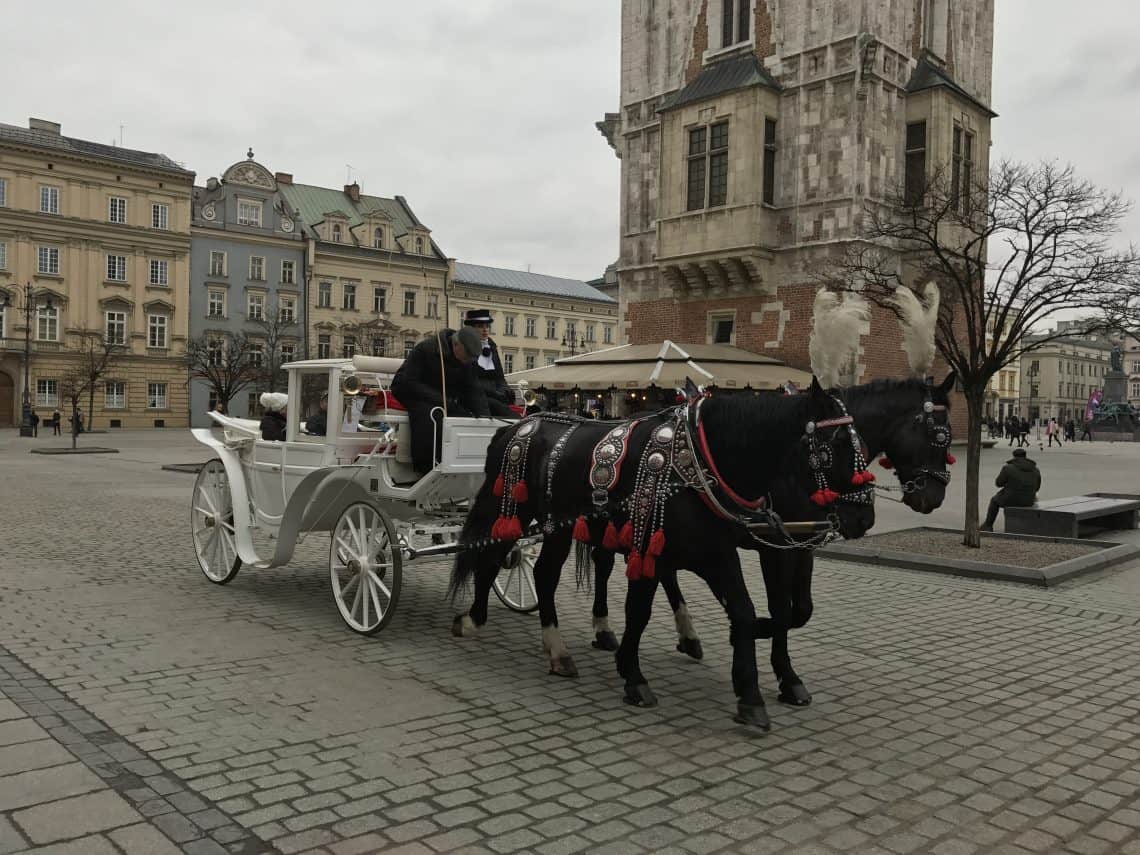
463, 626
639, 695
605, 641
691, 647
752, 715
795, 695
563, 666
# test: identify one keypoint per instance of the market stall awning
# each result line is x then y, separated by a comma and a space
665, 365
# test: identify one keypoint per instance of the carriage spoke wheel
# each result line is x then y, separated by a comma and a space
514, 586
212, 524
365, 568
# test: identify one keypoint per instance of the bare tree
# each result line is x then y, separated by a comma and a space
225, 362
96, 356
375, 337
1006, 256
72, 386
275, 330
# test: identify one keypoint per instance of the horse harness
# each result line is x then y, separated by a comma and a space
938, 436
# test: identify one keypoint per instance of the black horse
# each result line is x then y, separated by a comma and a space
908, 420
762, 442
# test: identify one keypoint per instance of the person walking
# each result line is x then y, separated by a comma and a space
1019, 481
1071, 430
1053, 432
56, 418
1012, 429
1023, 433
1086, 433
35, 423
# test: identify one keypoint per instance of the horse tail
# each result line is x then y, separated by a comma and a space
583, 565
483, 513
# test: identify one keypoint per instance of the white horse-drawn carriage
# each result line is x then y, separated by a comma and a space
355, 481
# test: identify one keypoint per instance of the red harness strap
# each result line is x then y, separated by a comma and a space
750, 504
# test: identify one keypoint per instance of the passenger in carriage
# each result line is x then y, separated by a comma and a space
419, 385
318, 423
273, 422
489, 368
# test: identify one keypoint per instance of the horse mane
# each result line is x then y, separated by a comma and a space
735, 423
894, 386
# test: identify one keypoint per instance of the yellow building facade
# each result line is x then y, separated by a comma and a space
101, 234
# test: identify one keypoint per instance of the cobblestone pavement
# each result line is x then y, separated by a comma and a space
145, 710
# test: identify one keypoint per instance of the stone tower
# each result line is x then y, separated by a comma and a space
752, 134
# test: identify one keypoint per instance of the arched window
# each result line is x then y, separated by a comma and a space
336, 232
419, 246
378, 237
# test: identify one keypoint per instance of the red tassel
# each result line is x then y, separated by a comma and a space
886, 463
868, 477
819, 497
832, 496
950, 459
520, 493
633, 566
656, 545
648, 566
497, 490
861, 478
625, 539
610, 539
581, 530
497, 529
512, 529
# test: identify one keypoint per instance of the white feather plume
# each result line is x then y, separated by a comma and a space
918, 318
837, 321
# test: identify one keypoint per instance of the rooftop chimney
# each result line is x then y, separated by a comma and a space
283, 177
352, 191
43, 125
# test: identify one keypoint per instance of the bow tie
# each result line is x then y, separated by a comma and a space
486, 350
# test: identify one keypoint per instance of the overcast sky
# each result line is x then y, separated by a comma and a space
481, 112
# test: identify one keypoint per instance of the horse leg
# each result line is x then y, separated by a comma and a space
638, 608
604, 638
787, 579
547, 572
687, 640
488, 563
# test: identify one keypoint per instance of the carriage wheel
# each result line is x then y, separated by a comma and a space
365, 568
514, 586
212, 524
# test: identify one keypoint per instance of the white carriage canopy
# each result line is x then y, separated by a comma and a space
665, 365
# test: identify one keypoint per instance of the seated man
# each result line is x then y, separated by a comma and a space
318, 424
420, 385
489, 368
1019, 480
273, 422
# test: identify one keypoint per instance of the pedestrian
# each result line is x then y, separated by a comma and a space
1071, 430
56, 418
1023, 433
1019, 480
35, 423
1053, 431
1085, 432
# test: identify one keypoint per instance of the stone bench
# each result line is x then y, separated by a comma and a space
1075, 516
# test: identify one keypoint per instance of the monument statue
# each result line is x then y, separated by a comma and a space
1116, 358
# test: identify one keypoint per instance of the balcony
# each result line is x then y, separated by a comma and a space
718, 251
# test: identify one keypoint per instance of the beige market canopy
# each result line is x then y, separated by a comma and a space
666, 365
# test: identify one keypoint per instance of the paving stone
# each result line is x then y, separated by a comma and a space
72, 817
43, 785
10, 838
91, 845
143, 839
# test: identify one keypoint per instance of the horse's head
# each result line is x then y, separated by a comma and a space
909, 422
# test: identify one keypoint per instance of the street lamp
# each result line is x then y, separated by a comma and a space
29, 307
573, 346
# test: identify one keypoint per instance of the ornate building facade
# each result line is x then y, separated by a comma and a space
102, 235
753, 134
247, 274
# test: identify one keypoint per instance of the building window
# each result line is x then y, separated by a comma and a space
379, 299
114, 395
288, 272
47, 393
117, 268
379, 345
721, 328
378, 237
288, 352
159, 272
3, 192
255, 307
735, 22
409, 346
590, 337
336, 232
214, 351
47, 260
160, 217
708, 166
217, 263
1136, 390
116, 327
571, 330
348, 350
962, 170
324, 346
216, 304
419, 246
551, 328
257, 268
287, 310
551, 359
47, 323
324, 295
252, 402
409, 302
769, 161
156, 326
3, 255
249, 213
915, 179
509, 325
607, 334
156, 396
117, 209
433, 305
256, 355
528, 361
508, 363
348, 297
531, 324
49, 200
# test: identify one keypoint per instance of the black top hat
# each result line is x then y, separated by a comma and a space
477, 316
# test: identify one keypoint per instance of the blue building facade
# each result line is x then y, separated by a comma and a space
247, 274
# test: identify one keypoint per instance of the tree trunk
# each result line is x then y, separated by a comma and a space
91, 404
74, 424
975, 404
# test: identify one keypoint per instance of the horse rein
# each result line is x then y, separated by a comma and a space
939, 436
